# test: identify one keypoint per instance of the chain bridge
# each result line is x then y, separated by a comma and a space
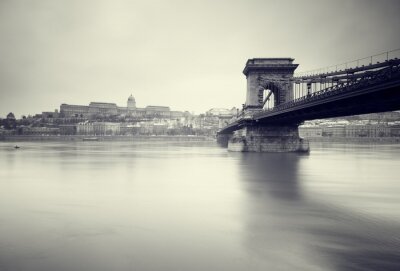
278, 100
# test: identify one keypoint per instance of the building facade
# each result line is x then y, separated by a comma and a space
350, 131
98, 109
98, 128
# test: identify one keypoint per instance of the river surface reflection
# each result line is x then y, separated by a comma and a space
195, 206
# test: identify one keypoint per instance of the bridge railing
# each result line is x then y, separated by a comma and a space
367, 78
366, 61
306, 85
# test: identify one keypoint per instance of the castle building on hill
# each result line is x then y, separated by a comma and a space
111, 109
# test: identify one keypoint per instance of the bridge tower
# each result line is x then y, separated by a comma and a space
272, 74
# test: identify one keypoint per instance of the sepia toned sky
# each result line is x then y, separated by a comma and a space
186, 54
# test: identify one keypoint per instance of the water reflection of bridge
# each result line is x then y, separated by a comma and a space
278, 101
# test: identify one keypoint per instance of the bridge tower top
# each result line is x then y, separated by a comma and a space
271, 64
271, 74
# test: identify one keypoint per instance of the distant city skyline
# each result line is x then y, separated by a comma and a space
188, 55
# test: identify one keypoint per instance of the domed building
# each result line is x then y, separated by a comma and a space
131, 104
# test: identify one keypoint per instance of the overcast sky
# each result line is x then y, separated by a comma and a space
185, 54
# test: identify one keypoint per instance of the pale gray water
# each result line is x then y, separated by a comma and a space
157, 206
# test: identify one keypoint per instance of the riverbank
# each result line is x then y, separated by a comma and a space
391, 140
104, 138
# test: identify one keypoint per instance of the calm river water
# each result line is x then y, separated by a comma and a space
194, 206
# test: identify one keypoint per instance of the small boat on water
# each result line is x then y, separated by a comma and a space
90, 139
16, 147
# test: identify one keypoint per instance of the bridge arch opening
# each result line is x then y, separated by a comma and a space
269, 95
268, 99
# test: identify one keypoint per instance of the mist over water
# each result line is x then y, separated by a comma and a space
195, 206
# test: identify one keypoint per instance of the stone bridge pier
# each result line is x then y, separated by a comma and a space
268, 139
267, 78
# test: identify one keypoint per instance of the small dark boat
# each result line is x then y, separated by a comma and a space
16, 147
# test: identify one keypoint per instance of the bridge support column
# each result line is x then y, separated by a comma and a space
223, 139
268, 139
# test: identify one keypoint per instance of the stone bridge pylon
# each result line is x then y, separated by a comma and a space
268, 81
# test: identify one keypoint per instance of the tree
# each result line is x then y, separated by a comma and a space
10, 122
11, 116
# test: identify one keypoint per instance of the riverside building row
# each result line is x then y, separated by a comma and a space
109, 119
97, 109
350, 131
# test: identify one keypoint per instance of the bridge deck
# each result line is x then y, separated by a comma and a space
377, 89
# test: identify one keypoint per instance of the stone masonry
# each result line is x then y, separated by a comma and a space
268, 139
267, 74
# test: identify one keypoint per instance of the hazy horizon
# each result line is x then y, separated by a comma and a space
188, 55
